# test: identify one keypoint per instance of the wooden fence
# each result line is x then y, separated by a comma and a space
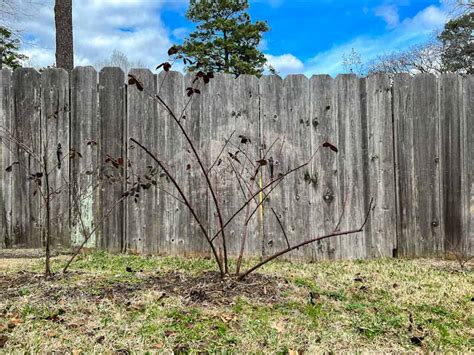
406, 142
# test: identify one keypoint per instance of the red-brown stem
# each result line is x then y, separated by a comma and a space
243, 241
253, 195
309, 241
206, 175
282, 228
220, 153
188, 204
262, 189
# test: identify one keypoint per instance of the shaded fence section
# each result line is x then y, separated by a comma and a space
408, 143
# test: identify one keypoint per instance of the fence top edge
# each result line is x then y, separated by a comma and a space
244, 76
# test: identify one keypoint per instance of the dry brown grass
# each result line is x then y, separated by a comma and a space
379, 305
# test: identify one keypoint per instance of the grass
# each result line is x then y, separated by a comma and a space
378, 305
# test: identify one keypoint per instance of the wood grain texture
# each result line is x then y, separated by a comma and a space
142, 225
173, 217
408, 146
418, 157
246, 122
6, 146
297, 188
273, 117
403, 131
84, 172
381, 238
26, 128
451, 111
111, 146
197, 123
467, 166
324, 167
351, 164
55, 110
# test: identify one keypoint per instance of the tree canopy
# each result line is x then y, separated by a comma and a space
225, 39
9, 49
458, 44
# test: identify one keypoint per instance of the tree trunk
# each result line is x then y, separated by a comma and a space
64, 40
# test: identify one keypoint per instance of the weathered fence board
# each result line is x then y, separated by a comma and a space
273, 114
467, 166
406, 144
26, 128
112, 159
418, 158
380, 174
142, 208
297, 150
55, 111
6, 238
351, 131
83, 149
198, 125
174, 218
323, 176
450, 110
246, 115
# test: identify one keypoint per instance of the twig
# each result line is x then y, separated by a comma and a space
286, 250
222, 150
282, 229
263, 188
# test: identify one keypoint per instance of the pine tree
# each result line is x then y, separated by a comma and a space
225, 40
458, 44
9, 47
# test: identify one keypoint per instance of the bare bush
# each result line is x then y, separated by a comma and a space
239, 165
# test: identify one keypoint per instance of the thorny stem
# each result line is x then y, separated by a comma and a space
263, 188
188, 204
220, 153
242, 242
282, 228
309, 241
206, 175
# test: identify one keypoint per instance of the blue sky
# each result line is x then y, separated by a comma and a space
306, 36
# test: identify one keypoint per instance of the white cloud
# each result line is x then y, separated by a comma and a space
408, 32
133, 27
389, 13
430, 18
285, 64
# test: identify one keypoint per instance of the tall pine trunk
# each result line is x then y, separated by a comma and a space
64, 40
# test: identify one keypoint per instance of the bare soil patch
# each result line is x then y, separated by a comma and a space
206, 288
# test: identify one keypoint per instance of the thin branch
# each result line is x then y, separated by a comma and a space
263, 188
206, 175
336, 228
222, 150
281, 226
287, 250
183, 196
